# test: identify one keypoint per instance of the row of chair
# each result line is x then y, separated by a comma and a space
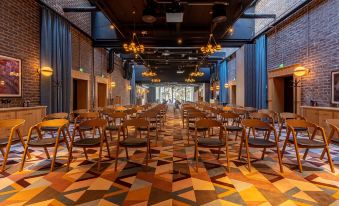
202, 118
98, 123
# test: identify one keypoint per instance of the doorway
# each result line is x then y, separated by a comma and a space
102, 94
283, 94
80, 91
233, 95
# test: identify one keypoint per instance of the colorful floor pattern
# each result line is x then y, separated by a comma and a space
170, 178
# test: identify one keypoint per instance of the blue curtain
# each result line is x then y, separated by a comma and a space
261, 72
133, 86
55, 52
223, 76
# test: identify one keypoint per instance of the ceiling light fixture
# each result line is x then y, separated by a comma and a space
219, 13
189, 80
211, 46
134, 46
148, 15
156, 80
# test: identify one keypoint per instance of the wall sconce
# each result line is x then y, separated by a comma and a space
217, 87
46, 71
211, 88
226, 85
129, 87
300, 71
113, 85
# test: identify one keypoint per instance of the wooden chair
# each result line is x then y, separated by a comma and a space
116, 119
45, 142
52, 130
286, 116
133, 142
85, 142
263, 117
13, 138
256, 142
192, 118
274, 115
210, 142
231, 121
152, 118
308, 143
334, 125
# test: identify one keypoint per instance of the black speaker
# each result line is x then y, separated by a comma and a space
110, 67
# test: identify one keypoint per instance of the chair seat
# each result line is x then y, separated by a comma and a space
47, 129
260, 142
233, 128
45, 142
85, 128
262, 128
112, 128
308, 143
210, 142
200, 129
4, 141
87, 142
133, 142
152, 128
298, 129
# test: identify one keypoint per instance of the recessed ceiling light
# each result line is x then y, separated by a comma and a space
111, 26
179, 41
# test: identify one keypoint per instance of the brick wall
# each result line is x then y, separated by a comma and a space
80, 19
316, 32
20, 38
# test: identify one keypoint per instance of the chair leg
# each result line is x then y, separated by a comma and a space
240, 149
219, 150
285, 144
147, 153
108, 151
24, 157
47, 154
228, 158
298, 157
8, 148
126, 150
305, 154
85, 152
248, 155
263, 153
116, 157
55, 152
70, 157
23, 143
100, 155
329, 159
196, 157
328, 141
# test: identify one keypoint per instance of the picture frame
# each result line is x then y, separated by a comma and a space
10, 77
335, 87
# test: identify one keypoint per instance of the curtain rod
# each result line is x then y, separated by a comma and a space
44, 5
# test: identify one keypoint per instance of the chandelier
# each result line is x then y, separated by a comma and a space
149, 73
197, 73
134, 46
156, 80
189, 80
211, 46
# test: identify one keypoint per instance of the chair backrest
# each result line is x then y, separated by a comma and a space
260, 116
256, 123
95, 123
88, 115
195, 114
120, 108
58, 123
208, 123
11, 123
289, 115
229, 115
138, 122
293, 123
240, 111
60, 115
117, 115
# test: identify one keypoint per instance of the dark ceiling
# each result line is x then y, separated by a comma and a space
160, 38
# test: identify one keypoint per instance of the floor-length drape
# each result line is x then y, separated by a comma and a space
223, 75
133, 88
55, 52
261, 72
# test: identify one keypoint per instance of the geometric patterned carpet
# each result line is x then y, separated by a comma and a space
170, 178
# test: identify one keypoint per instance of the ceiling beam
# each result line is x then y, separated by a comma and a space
257, 16
81, 9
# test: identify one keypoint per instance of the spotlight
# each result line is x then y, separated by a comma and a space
111, 26
179, 41
219, 13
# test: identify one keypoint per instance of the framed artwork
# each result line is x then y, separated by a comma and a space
335, 87
10, 77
